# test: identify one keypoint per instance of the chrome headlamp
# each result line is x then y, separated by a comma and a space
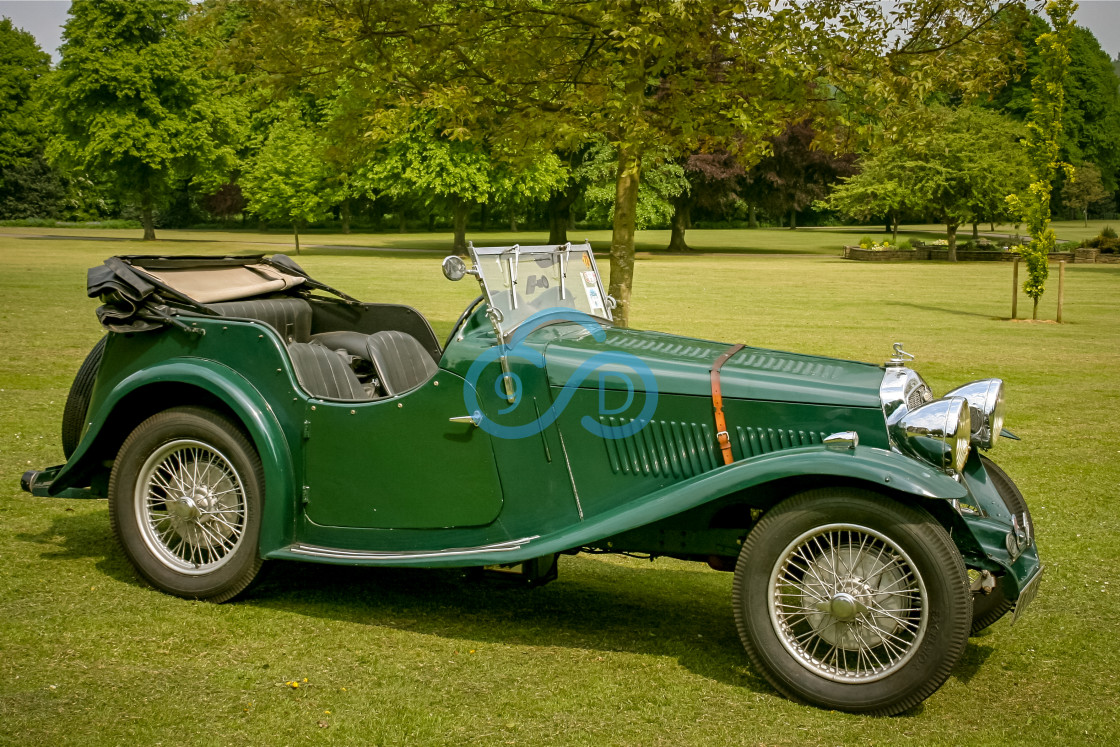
985, 400
938, 432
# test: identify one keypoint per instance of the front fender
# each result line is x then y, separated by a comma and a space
246, 403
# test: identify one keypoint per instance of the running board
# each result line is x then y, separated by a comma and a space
335, 553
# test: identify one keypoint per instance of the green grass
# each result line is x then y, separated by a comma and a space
617, 651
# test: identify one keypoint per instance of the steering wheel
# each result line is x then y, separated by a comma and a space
462, 318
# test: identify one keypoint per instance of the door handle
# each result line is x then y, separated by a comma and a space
473, 419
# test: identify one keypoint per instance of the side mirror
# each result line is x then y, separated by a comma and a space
454, 268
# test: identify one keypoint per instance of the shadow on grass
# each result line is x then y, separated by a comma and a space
680, 614
77, 535
958, 312
675, 613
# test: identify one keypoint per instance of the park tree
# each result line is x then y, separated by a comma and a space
28, 186
961, 165
1084, 188
130, 105
289, 179
1043, 147
713, 180
1091, 85
798, 170
658, 80
879, 188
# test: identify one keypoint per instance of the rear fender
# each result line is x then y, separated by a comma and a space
246, 404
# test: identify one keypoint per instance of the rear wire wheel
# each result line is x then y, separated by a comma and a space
852, 601
185, 499
988, 608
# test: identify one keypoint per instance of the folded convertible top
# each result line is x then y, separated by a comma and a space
141, 293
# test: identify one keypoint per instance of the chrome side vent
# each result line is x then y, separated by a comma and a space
662, 449
756, 441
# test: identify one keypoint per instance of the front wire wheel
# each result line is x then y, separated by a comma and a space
849, 600
185, 503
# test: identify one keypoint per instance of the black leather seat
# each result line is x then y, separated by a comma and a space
290, 317
401, 361
323, 373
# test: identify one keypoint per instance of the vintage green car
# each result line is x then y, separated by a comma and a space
240, 411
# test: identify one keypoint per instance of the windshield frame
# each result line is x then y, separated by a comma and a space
567, 289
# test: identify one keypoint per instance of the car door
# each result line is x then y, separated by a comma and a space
400, 462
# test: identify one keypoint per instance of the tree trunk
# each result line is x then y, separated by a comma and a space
792, 219
951, 232
559, 215
1034, 314
752, 217
975, 231
557, 226
460, 211
680, 224
295, 232
147, 221
1085, 215
431, 221
894, 227
513, 221
484, 218
344, 214
622, 235
402, 222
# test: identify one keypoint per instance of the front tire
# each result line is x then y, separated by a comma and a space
185, 499
849, 600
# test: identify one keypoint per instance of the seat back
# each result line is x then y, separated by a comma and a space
323, 373
290, 317
400, 360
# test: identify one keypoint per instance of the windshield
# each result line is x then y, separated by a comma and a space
520, 281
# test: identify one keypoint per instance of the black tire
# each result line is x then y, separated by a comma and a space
185, 500
988, 608
77, 402
803, 610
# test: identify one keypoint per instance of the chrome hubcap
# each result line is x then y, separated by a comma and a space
190, 506
847, 603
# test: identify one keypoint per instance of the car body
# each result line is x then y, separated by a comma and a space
240, 411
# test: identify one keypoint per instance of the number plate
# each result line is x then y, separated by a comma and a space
1030, 591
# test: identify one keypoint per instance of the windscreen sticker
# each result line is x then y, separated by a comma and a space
594, 299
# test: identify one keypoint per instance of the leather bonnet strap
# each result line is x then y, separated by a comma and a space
717, 404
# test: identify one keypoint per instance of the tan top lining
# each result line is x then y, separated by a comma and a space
215, 284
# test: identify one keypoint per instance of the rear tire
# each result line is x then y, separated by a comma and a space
988, 608
77, 402
849, 600
185, 501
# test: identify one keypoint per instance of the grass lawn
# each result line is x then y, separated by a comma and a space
617, 651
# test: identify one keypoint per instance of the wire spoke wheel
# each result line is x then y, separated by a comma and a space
852, 600
847, 603
186, 496
190, 505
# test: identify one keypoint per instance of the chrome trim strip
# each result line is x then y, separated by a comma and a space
340, 554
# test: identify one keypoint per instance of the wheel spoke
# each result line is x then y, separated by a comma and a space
191, 506
849, 603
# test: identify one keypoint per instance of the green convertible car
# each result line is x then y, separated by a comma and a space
240, 411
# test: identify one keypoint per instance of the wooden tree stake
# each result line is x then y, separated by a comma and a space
1061, 288
1015, 288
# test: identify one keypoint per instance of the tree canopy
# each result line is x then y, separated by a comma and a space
129, 105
